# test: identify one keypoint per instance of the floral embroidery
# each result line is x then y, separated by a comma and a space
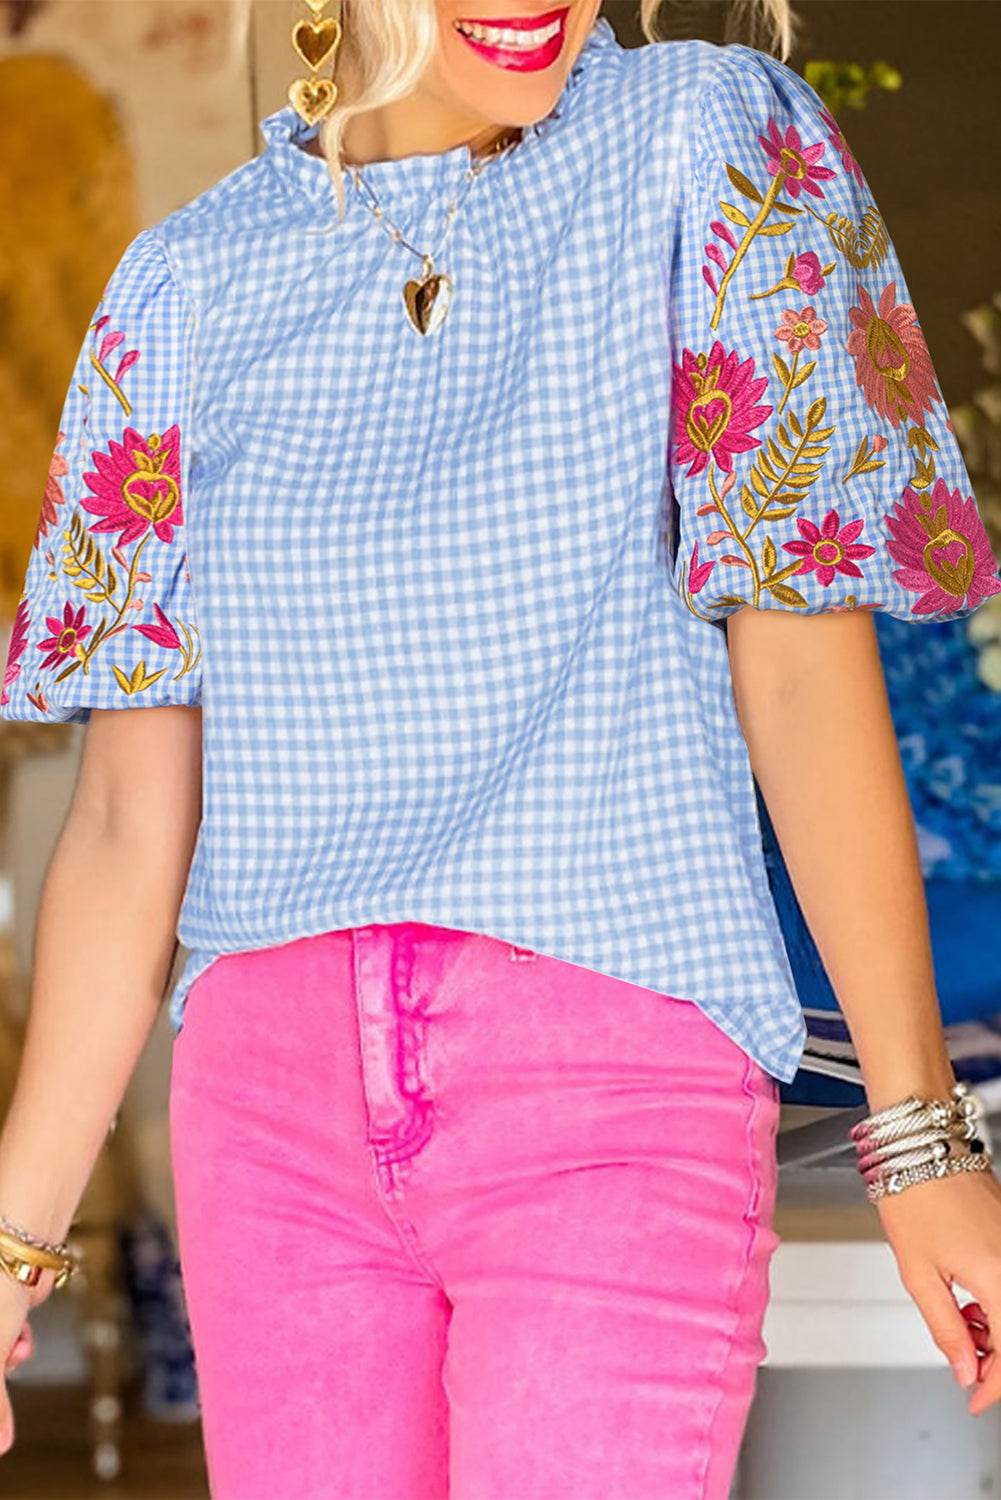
162, 633
18, 641
139, 679
67, 633
800, 330
943, 547
788, 158
138, 485
941, 542
182, 638
836, 137
108, 345
807, 272
698, 573
829, 550
776, 477
865, 460
715, 407
54, 494
793, 167
137, 493
892, 363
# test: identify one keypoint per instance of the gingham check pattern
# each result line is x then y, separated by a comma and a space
446, 673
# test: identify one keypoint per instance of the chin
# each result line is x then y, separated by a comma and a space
511, 84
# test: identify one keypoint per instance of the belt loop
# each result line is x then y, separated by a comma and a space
520, 955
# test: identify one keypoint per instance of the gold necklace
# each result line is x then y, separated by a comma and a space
428, 298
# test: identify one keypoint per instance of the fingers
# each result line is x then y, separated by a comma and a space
989, 1388
21, 1349
951, 1331
6, 1420
978, 1325
42, 1288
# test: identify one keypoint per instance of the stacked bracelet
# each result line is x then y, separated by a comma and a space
915, 1140
24, 1256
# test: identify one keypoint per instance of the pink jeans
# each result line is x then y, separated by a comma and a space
461, 1220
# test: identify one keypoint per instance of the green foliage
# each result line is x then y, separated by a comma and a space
849, 84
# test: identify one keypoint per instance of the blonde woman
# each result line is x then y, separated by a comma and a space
466, 497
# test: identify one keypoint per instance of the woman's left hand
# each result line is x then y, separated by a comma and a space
944, 1230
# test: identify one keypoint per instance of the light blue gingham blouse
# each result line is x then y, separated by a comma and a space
447, 602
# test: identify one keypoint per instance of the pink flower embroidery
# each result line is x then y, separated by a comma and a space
808, 272
714, 407
163, 633
109, 344
18, 641
837, 140
54, 494
944, 550
65, 634
788, 154
892, 363
800, 330
829, 550
698, 573
138, 485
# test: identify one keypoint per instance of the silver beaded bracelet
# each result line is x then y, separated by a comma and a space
895, 1182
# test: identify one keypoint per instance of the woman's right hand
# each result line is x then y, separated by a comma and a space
16, 1339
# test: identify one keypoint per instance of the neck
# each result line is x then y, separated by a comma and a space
418, 125
483, 143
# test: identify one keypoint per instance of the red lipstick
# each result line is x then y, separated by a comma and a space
519, 59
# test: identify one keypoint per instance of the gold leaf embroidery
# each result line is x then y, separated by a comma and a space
138, 680
743, 184
867, 245
786, 594
735, 215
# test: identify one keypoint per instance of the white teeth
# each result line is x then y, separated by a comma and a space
505, 36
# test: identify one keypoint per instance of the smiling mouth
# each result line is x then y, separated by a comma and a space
518, 35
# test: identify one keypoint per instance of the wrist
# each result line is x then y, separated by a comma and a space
896, 1079
37, 1212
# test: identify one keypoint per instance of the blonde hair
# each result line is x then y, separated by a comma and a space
391, 45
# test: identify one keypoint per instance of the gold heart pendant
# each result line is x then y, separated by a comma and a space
312, 98
316, 41
424, 310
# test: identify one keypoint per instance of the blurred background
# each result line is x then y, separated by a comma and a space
112, 114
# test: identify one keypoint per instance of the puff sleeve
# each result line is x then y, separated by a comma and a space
106, 617
811, 461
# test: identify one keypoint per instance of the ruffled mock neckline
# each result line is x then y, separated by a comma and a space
409, 176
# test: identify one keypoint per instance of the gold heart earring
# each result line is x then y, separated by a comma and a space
316, 41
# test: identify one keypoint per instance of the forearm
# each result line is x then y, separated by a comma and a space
104, 941
824, 752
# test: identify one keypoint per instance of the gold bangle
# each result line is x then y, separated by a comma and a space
24, 1263
27, 1273
11, 1244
